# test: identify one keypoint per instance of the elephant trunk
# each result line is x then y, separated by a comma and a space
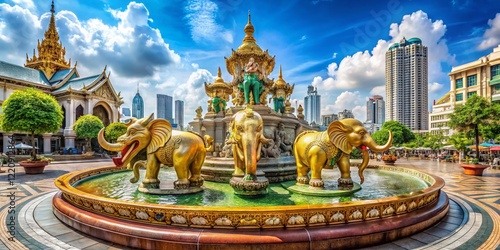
377, 148
250, 146
115, 147
136, 170
364, 163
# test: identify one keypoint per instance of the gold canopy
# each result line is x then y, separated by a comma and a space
281, 88
249, 48
218, 88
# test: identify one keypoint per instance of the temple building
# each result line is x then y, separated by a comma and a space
78, 95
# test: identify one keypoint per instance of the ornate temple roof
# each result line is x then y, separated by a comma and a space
23, 74
50, 51
249, 48
219, 86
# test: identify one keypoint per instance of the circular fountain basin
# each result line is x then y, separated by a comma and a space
102, 202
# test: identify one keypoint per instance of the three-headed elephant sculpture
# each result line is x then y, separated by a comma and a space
247, 137
185, 151
313, 150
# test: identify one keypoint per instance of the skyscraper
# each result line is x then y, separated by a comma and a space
179, 114
406, 84
164, 107
312, 105
375, 109
138, 106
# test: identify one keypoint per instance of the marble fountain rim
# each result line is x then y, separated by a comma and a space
250, 216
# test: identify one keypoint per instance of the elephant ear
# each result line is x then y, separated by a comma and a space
337, 132
161, 131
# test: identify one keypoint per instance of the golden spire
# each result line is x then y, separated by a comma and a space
249, 43
249, 29
50, 51
280, 83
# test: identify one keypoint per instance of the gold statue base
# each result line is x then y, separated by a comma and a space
168, 188
320, 191
249, 185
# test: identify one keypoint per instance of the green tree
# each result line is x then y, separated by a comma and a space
115, 130
401, 133
476, 111
381, 136
87, 126
32, 111
460, 142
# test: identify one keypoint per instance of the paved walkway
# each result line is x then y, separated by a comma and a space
472, 223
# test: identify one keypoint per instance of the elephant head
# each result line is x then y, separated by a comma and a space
146, 133
348, 133
247, 138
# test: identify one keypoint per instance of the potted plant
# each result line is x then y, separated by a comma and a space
389, 159
473, 167
34, 112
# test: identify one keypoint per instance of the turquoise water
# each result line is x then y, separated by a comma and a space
378, 184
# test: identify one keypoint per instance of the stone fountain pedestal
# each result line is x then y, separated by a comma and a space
249, 185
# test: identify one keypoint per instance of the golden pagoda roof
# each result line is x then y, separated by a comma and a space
249, 49
249, 44
280, 83
219, 86
50, 51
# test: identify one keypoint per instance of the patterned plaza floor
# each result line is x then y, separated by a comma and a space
472, 223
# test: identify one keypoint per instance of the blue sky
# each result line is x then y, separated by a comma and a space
172, 47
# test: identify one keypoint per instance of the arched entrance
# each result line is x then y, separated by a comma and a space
103, 112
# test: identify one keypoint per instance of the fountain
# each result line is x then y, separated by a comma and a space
221, 194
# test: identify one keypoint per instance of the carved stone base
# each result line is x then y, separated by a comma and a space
249, 185
168, 188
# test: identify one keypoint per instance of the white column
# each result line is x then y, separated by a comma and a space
6, 142
46, 143
69, 134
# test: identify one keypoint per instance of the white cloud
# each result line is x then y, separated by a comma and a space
27, 4
193, 91
491, 36
19, 30
304, 37
379, 90
434, 87
364, 71
346, 100
201, 16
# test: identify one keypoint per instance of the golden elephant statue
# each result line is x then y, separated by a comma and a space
246, 136
185, 151
313, 150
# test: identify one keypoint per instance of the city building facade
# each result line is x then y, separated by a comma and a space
164, 107
179, 114
49, 72
138, 106
327, 119
375, 109
312, 105
345, 114
480, 77
406, 84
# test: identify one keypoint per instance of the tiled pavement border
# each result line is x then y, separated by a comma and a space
42, 230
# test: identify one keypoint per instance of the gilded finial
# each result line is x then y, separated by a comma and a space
219, 73
280, 75
50, 51
249, 29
